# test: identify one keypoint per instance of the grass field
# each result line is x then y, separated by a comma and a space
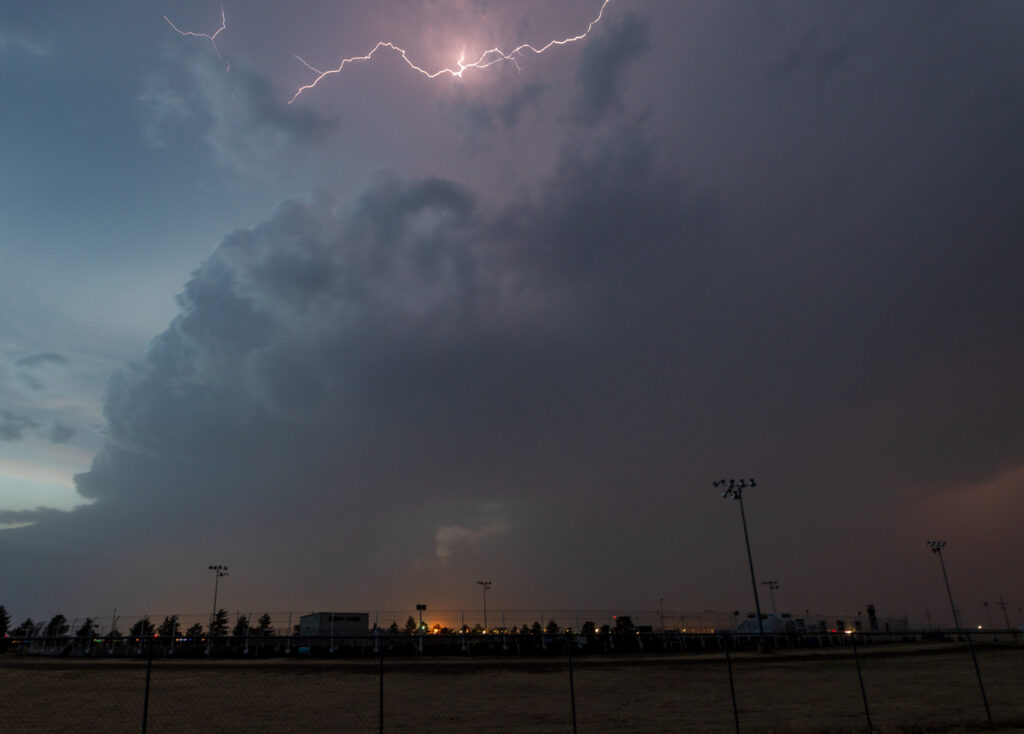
929, 689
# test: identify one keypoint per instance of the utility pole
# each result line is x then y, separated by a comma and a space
734, 489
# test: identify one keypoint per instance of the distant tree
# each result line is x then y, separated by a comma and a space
605, 629
25, 629
478, 629
393, 629
142, 628
194, 632
5, 621
514, 630
87, 629
410, 626
264, 627
552, 628
536, 629
170, 627
114, 634
241, 628
624, 624
219, 628
588, 628
57, 626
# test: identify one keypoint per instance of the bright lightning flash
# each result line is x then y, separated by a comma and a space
213, 38
487, 58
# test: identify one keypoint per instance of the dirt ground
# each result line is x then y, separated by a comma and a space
907, 691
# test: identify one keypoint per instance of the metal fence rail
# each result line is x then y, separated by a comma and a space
534, 682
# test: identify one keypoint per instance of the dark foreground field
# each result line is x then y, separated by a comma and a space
931, 689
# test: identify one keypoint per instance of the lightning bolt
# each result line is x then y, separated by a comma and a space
213, 38
487, 58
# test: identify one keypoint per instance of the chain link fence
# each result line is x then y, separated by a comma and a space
433, 682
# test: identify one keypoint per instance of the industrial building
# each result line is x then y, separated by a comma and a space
334, 624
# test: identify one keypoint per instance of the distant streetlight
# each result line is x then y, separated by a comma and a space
486, 585
218, 571
772, 586
734, 489
936, 548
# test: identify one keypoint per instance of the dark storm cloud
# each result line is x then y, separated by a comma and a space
247, 122
61, 433
13, 517
604, 61
14, 426
418, 369
820, 49
479, 115
263, 108
31, 365
35, 360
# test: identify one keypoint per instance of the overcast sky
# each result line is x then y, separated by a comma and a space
406, 333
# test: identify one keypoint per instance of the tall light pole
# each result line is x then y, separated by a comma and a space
486, 585
937, 546
218, 571
772, 586
1002, 605
734, 489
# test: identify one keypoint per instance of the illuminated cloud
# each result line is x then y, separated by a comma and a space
450, 537
491, 57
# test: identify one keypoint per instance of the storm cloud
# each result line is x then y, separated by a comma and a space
13, 426
805, 271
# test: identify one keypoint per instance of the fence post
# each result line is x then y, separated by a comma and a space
572, 686
149, 670
860, 677
732, 686
380, 648
977, 671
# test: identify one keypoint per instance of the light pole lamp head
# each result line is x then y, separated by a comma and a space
734, 487
936, 545
485, 584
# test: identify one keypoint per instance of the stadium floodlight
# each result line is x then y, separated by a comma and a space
219, 571
772, 587
486, 585
734, 490
936, 547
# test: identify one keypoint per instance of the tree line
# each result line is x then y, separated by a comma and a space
262, 627
170, 627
